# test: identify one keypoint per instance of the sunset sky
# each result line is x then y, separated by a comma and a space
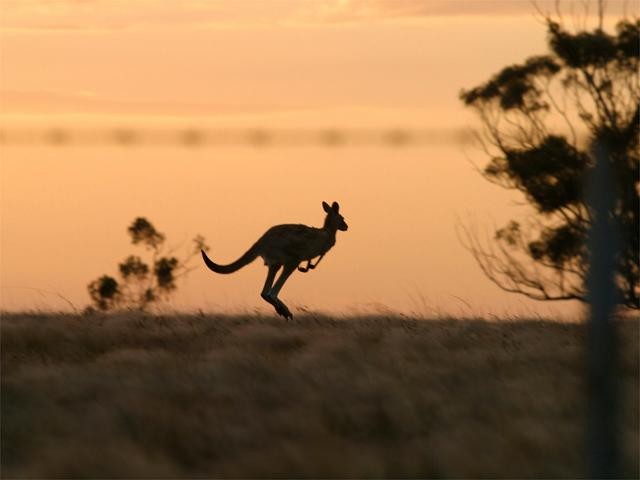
257, 64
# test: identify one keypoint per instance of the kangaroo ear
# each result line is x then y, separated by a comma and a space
336, 207
326, 207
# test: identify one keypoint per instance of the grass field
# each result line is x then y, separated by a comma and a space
135, 395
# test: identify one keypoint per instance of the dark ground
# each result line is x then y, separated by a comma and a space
134, 395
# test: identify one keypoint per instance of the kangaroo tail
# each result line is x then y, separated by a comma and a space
245, 259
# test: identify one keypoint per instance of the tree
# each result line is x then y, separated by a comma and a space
143, 284
541, 122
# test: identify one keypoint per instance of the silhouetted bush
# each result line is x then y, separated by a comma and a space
142, 284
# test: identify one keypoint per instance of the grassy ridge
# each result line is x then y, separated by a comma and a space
248, 396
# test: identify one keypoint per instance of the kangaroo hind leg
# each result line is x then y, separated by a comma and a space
280, 307
271, 275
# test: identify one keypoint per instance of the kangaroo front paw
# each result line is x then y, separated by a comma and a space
303, 269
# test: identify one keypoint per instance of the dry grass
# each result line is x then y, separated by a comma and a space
250, 396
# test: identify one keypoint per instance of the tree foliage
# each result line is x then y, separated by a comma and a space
143, 283
541, 121
105, 292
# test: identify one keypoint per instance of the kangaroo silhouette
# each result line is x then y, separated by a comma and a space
286, 246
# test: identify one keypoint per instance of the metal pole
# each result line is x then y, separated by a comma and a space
602, 440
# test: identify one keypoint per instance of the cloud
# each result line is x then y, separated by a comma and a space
343, 11
357, 10
54, 102
99, 16
88, 16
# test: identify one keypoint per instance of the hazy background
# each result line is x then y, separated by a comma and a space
254, 64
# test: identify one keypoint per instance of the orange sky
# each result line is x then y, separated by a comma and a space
281, 63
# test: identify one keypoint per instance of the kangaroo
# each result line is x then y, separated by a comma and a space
287, 246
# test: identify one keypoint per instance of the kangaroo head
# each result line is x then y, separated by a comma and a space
334, 220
